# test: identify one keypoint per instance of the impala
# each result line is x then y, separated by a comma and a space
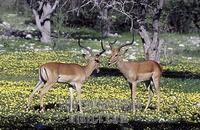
135, 72
73, 74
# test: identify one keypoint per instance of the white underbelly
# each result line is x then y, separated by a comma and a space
144, 77
69, 79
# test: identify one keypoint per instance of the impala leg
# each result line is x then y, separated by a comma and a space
133, 95
71, 90
37, 88
78, 89
150, 94
44, 90
156, 81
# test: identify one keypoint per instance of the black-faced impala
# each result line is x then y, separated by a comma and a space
73, 74
135, 72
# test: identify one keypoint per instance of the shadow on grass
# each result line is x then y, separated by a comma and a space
166, 73
47, 106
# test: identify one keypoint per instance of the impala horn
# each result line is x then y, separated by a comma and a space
127, 44
111, 43
87, 49
103, 49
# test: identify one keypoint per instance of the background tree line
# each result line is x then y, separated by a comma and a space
182, 16
145, 17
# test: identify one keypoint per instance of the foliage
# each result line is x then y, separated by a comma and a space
178, 16
183, 16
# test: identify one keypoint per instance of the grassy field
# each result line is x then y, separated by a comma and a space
106, 100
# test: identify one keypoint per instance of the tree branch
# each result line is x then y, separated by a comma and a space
37, 19
38, 22
51, 11
54, 6
79, 7
155, 23
64, 4
40, 5
144, 35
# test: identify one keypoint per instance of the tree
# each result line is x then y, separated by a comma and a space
105, 15
151, 45
42, 11
95, 12
136, 11
183, 16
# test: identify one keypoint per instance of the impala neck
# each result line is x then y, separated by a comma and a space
121, 65
89, 68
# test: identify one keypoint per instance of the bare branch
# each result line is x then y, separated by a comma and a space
64, 4
50, 11
40, 5
37, 20
155, 23
75, 9
54, 6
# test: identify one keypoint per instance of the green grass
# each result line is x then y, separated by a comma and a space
15, 19
175, 106
182, 44
19, 76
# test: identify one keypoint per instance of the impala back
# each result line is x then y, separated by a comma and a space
62, 72
142, 71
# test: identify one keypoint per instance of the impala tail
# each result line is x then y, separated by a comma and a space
43, 76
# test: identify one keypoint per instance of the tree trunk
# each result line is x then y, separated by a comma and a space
42, 18
46, 35
106, 21
151, 45
46, 25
